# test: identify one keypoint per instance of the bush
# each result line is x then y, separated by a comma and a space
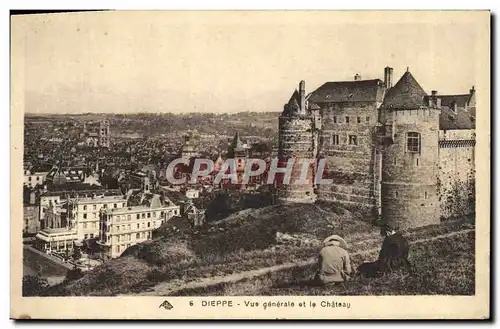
163, 252
74, 274
34, 285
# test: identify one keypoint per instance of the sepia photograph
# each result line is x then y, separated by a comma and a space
228, 163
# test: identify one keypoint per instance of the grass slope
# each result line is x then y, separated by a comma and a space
241, 242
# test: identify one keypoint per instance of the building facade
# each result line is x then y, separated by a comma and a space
121, 228
390, 150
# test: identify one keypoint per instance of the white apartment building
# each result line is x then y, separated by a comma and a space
86, 212
74, 219
121, 228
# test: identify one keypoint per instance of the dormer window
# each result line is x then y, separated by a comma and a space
413, 142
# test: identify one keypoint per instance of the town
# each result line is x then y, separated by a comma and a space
89, 186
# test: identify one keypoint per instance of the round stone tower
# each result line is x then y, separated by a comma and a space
296, 137
409, 191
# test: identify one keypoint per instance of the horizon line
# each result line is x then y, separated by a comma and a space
152, 113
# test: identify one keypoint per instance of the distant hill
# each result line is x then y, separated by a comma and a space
262, 124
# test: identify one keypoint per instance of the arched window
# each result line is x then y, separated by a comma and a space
413, 142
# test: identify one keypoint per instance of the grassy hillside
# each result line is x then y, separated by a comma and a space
442, 266
244, 241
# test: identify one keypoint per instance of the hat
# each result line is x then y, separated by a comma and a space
337, 238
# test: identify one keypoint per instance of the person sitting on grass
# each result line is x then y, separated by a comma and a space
334, 263
394, 251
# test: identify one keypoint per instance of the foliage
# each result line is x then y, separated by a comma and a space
34, 285
74, 274
461, 198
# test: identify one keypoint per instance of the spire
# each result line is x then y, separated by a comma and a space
237, 144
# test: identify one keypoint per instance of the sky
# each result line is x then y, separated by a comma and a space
159, 61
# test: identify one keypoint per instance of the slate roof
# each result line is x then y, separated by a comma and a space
406, 94
293, 105
447, 100
349, 91
463, 119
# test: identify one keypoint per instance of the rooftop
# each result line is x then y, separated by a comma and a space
349, 91
406, 94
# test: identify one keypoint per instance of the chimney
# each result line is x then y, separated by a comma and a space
388, 77
302, 93
472, 90
357, 77
434, 93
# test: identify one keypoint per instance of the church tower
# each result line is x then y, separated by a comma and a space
104, 134
238, 152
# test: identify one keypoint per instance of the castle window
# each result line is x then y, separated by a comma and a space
413, 142
425, 195
359, 119
417, 162
335, 140
346, 119
334, 119
367, 119
353, 140
396, 194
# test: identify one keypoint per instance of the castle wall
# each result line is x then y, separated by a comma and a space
351, 165
409, 192
456, 179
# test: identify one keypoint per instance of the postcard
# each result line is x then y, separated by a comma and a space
250, 165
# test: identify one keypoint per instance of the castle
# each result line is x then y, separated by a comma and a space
393, 151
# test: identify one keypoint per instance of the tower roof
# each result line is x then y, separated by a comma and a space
293, 107
406, 93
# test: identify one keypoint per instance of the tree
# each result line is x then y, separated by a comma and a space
77, 254
34, 285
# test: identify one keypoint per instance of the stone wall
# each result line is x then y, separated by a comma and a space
350, 165
456, 179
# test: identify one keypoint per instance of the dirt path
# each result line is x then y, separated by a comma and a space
167, 288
